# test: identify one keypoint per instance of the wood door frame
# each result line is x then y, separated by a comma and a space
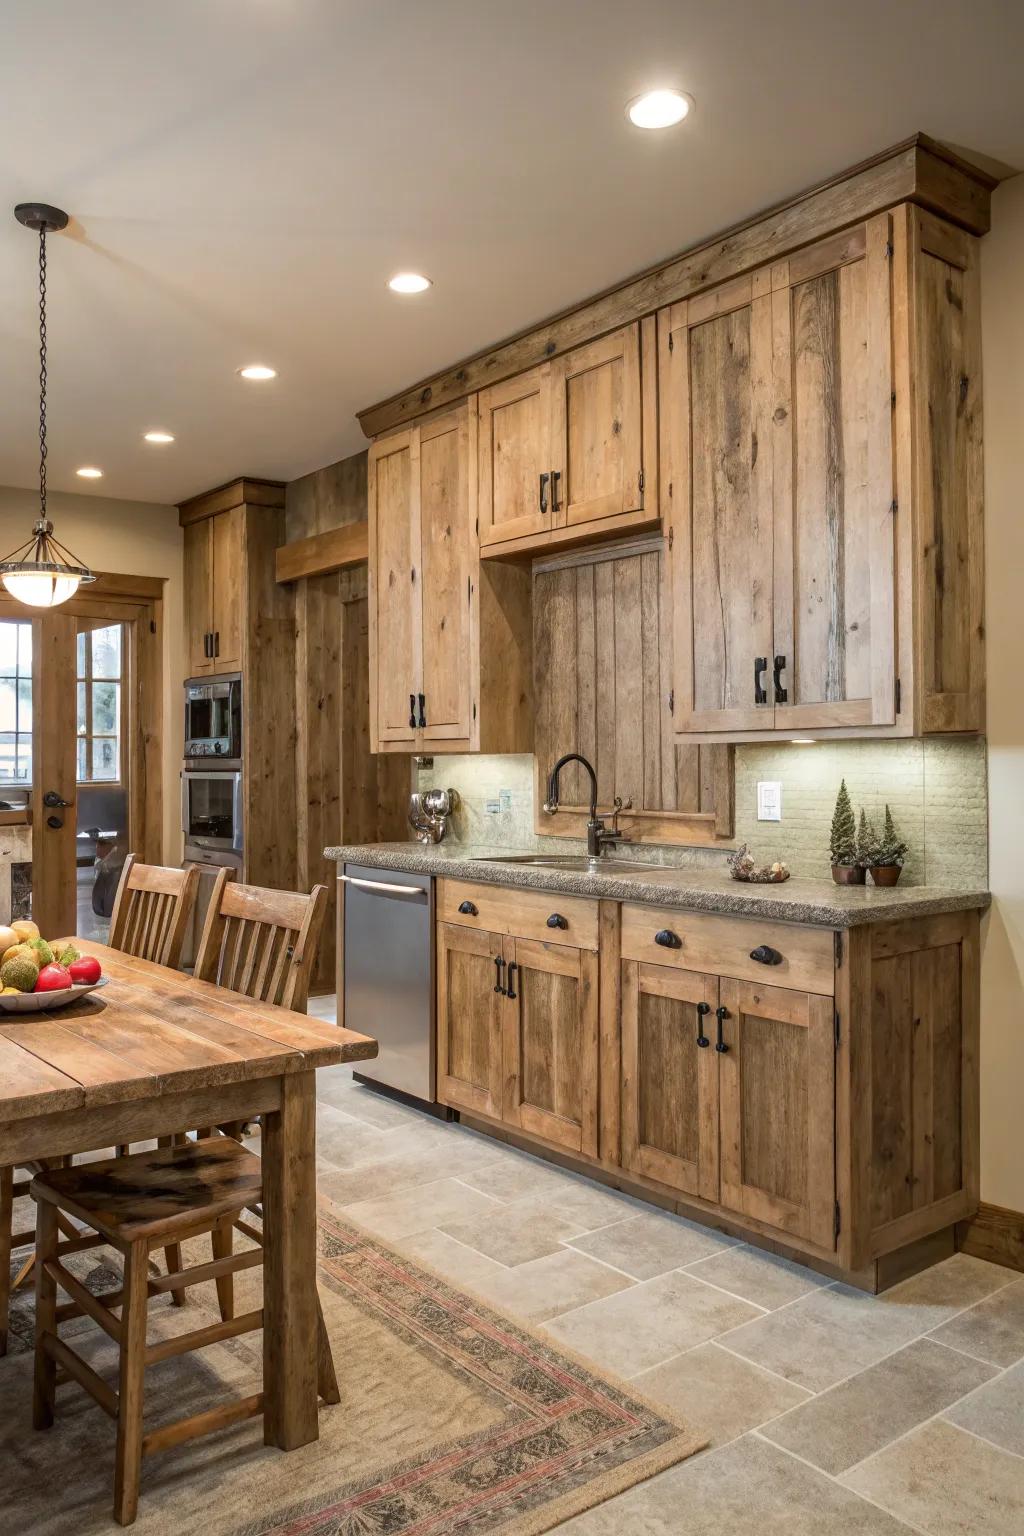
138, 602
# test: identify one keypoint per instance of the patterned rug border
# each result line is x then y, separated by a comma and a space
563, 1365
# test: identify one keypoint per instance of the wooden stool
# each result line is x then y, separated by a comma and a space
138, 1203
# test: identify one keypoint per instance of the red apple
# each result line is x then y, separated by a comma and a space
52, 978
85, 970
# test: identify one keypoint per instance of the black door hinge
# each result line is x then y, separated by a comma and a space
836, 1223
889, 249
640, 481
671, 701
837, 1029
152, 627
839, 949
899, 696
894, 506
671, 342
671, 537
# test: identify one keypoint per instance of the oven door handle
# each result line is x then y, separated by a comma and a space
380, 888
236, 813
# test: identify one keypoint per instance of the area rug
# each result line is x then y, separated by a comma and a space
453, 1420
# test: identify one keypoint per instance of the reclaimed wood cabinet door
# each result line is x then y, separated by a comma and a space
396, 671
469, 1021
670, 1077
597, 430
227, 544
514, 457
777, 1108
447, 474
834, 501
550, 1029
715, 369
198, 578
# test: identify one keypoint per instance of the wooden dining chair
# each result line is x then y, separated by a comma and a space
260, 942
152, 911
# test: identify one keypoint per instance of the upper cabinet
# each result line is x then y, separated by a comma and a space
567, 450
449, 641
214, 561
804, 408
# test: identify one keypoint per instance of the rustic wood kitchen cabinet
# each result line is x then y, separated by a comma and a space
815, 1089
214, 556
449, 640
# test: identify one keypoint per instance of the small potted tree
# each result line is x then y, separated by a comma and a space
867, 841
846, 867
886, 854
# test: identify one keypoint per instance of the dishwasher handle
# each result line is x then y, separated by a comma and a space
380, 888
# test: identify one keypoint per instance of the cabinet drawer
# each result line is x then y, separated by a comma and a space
723, 946
522, 913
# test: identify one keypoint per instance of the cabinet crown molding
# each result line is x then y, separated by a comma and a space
244, 491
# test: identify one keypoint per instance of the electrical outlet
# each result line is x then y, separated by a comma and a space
492, 807
769, 800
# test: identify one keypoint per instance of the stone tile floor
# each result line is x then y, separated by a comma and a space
827, 1410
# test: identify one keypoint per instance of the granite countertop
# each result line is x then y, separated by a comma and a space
820, 902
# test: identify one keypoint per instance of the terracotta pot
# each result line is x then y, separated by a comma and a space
886, 874
848, 874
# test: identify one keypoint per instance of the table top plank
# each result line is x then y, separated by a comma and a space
107, 1076
29, 1086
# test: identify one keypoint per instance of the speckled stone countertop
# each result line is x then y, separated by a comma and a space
820, 902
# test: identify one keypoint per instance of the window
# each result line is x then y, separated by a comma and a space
99, 705
15, 702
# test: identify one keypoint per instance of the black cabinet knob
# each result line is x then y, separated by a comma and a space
667, 939
467, 908
556, 920
703, 1009
765, 955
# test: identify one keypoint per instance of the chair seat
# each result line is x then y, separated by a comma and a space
152, 1195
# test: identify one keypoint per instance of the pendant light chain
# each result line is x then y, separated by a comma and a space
42, 371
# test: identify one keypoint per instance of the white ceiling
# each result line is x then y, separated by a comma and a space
244, 175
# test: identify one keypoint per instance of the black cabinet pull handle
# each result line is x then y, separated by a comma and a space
544, 492
667, 939
206, 644
556, 475
765, 955
781, 694
511, 989
499, 966
423, 718
216, 642
703, 1009
556, 920
760, 694
721, 1014
468, 908
412, 711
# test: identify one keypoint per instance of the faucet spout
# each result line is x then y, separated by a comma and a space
551, 803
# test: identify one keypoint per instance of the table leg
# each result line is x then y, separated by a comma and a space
289, 1267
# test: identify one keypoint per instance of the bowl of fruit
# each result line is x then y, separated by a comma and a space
36, 975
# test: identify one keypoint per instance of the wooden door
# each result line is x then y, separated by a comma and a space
670, 1077
393, 491
597, 430
834, 497
469, 1021
54, 846
777, 1106
550, 1029
447, 467
227, 538
198, 575
715, 362
515, 458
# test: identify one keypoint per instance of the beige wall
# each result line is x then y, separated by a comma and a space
135, 538
1002, 972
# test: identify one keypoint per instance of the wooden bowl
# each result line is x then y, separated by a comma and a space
43, 1002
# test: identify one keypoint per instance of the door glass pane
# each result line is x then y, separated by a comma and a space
16, 703
105, 697
8, 648
8, 703
81, 707
104, 758
106, 651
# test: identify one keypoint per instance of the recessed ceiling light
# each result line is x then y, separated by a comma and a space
90, 472
659, 109
409, 282
258, 371
159, 437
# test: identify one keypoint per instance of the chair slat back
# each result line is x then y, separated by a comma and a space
152, 911
260, 942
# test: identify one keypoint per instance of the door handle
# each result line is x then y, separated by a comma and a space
556, 475
556, 920
765, 955
721, 1014
206, 644
510, 990
467, 909
499, 966
423, 718
54, 801
781, 694
544, 492
760, 694
667, 939
703, 1009
412, 711
216, 642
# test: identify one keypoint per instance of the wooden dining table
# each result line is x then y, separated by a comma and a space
155, 1052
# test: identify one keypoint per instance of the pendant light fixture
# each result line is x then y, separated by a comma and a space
41, 572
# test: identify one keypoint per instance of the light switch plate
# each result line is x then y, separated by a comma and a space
769, 800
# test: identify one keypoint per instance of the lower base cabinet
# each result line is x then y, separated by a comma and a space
469, 1072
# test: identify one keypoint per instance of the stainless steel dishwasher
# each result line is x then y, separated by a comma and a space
389, 975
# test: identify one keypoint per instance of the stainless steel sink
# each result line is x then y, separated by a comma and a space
577, 862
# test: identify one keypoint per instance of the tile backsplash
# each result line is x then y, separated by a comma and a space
937, 790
